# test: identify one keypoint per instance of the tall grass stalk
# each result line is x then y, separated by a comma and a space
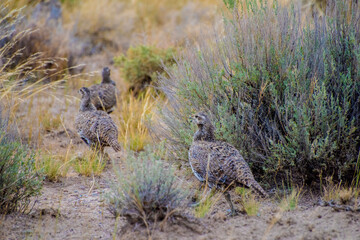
133, 115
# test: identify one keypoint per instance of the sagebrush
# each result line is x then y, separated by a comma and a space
146, 191
286, 94
19, 179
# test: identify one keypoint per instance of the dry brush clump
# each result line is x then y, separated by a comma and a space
146, 191
338, 194
286, 94
33, 32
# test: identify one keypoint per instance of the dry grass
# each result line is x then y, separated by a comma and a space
248, 202
53, 166
338, 193
331, 190
89, 164
207, 200
99, 25
50, 122
24, 75
36, 36
346, 195
132, 115
290, 201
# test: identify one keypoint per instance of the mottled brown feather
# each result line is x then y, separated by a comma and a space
103, 95
95, 127
218, 163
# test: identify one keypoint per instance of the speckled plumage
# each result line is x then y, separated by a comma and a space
96, 128
218, 163
103, 95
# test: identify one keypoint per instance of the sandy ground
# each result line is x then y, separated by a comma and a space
74, 208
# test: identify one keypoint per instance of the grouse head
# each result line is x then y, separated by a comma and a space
106, 75
85, 104
85, 92
206, 129
201, 119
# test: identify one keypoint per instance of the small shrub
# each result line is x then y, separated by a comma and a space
52, 166
290, 201
19, 180
90, 164
230, 4
249, 203
146, 190
141, 65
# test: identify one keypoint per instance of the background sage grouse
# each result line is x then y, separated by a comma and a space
219, 163
103, 95
96, 128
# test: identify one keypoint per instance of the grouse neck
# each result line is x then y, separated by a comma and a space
106, 79
205, 133
86, 105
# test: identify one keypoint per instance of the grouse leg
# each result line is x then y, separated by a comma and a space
228, 199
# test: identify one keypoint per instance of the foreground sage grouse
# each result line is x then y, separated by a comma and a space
96, 128
103, 95
218, 163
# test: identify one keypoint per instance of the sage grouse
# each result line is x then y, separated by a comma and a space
96, 128
218, 163
103, 95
